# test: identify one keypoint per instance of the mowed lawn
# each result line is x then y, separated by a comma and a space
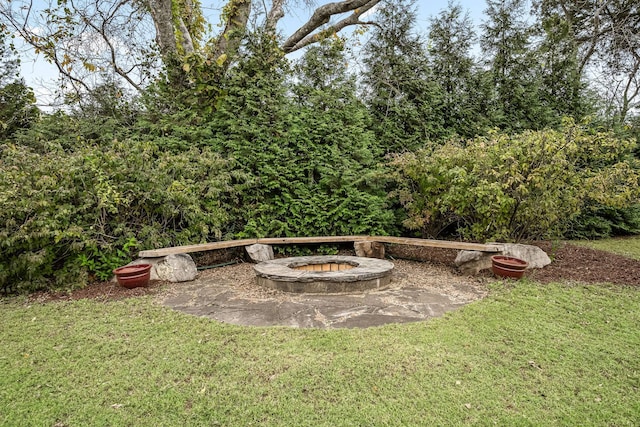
528, 354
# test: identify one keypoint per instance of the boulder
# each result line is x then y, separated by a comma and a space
171, 268
259, 252
471, 262
369, 249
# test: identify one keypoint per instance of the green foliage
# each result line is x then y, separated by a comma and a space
603, 221
107, 102
63, 211
404, 100
514, 69
562, 89
307, 160
195, 83
299, 250
103, 263
17, 109
502, 187
464, 94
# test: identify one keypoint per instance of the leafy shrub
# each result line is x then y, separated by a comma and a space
65, 212
306, 250
69, 133
504, 187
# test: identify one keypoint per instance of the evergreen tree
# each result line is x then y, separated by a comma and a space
451, 37
305, 160
250, 122
506, 42
332, 132
400, 91
17, 109
562, 88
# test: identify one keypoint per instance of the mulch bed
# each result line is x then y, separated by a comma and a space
579, 264
101, 291
570, 263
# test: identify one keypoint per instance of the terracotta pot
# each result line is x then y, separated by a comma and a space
506, 272
509, 262
133, 276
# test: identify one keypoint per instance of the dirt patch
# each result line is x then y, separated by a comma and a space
426, 267
569, 263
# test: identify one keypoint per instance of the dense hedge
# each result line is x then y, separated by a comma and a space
310, 157
598, 221
75, 202
64, 213
83, 192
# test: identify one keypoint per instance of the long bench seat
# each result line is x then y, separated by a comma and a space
153, 253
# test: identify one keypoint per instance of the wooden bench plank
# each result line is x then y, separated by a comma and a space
447, 244
308, 240
152, 253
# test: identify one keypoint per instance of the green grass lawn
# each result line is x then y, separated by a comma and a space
627, 246
526, 355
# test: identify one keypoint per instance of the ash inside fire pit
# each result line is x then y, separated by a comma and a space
324, 274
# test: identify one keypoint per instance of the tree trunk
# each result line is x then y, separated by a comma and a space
162, 16
235, 24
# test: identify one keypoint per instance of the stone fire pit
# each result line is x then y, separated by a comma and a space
324, 274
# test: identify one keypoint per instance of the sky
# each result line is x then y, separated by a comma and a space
41, 76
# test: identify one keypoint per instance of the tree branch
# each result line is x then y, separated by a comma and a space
187, 41
630, 92
303, 36
275, 14
113, 53
41, 44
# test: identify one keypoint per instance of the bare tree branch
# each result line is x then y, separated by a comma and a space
303, 36
113, 52
593, 42
631, 91
88, 41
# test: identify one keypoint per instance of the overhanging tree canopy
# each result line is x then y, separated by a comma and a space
82, 37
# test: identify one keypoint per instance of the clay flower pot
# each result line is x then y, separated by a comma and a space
506, 266
133, 276
509, 262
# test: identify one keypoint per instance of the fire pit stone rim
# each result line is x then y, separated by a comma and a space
366, 269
